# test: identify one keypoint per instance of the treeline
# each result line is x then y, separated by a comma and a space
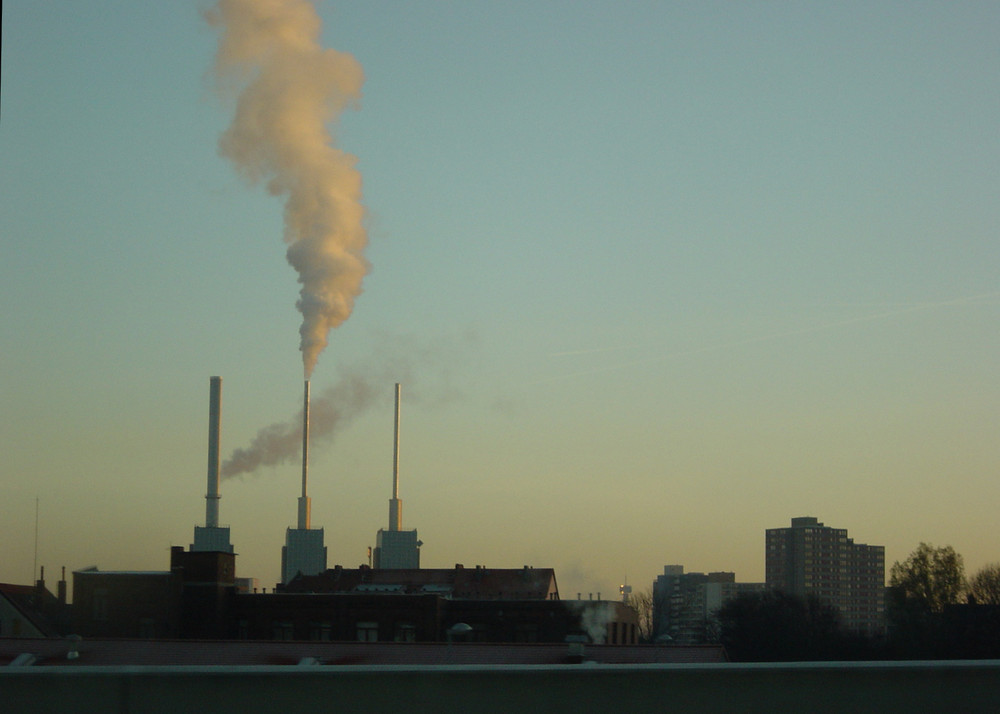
932, 612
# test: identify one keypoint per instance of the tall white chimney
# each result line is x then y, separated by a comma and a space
395, 505
304, 501
212, 537
214, 423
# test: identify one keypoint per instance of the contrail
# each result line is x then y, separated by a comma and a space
290, 89
593, 350
911, 307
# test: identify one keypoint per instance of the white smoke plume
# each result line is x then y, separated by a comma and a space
594, 617
424, 367
290, 90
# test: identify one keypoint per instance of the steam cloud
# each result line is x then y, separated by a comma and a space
359, 387
290, 89
336, 407
594, 617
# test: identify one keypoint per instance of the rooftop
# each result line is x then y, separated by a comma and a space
122, 652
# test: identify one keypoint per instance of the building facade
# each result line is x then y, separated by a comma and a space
685, 604
809, 558
198, 598
303, 553
191, 600
396, 549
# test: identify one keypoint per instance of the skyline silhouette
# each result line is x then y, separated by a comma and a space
655, 277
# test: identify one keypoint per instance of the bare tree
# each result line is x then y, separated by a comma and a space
642, 602
984, 586
931, 577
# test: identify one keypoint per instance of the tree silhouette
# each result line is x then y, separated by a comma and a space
774, 626
930, 578
984, 586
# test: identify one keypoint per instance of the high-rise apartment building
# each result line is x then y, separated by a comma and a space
685, 604
810, 558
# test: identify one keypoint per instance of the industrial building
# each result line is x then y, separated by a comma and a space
197, 598
809, 558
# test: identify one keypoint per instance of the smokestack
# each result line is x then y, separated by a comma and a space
214, 422
395, 505
304, 503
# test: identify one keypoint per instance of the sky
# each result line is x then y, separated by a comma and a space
654, 277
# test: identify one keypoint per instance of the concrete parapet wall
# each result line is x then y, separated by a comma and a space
968, 686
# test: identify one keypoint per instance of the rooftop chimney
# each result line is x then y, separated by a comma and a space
62, 587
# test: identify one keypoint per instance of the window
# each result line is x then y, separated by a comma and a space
367, 631
405, 632
319, 631
282, 630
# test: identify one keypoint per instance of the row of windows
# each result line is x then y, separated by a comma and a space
365, 631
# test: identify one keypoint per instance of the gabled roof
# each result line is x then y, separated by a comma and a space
24, 599
119, 652
477, 583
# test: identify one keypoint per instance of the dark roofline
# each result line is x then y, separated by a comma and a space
130, 652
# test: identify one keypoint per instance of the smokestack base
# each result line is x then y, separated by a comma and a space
211, 540
395, 514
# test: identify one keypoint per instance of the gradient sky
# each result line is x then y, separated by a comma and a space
655, 277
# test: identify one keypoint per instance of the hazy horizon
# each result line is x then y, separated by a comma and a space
654, 277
